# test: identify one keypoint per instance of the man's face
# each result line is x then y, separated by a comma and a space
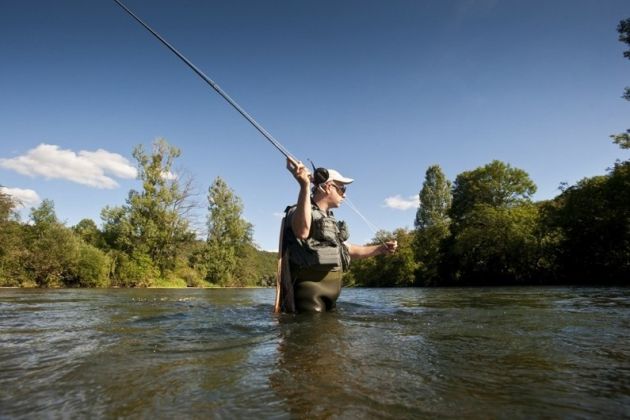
336, 193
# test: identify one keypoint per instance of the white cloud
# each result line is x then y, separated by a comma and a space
400, 203
94, 169
25, 198
111, 162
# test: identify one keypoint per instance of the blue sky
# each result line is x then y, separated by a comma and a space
379, 90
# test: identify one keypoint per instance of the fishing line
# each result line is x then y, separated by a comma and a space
214, 86
371, 225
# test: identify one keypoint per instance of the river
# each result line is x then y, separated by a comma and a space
384, 353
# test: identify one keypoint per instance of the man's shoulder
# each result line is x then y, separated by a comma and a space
316, 211
290, 209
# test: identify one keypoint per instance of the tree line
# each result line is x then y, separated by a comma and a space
481, 229
146, 242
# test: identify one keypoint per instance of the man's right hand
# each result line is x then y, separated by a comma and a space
299, 172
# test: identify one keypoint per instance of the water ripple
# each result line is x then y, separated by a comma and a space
403, 353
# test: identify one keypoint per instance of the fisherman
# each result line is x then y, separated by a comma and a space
315, 246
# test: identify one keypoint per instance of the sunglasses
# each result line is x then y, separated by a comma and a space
340, 188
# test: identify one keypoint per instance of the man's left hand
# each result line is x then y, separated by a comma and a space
389, 247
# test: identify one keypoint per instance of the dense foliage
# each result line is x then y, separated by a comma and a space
495, 235
146, 242
229, 237
492, 234
590, 224
432, 226
483, 229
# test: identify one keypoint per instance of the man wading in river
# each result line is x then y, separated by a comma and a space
314, 251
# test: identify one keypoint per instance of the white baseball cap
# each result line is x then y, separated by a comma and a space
337, 177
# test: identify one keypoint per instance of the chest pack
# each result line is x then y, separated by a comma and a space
324, 248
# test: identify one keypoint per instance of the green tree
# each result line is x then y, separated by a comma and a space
11, 243
55, 256
228, 236
118, 233
44, 215
435, 199
496, 184
429, 248
45, 268
92, 267
494, 231
159, 227
432, 225
623, 139
196, 265
51, 248
152, 223
497, 245
87, 230
591, 221
133, 270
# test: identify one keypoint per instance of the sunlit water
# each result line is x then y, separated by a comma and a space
385, 353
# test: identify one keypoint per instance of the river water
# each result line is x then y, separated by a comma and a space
385, 353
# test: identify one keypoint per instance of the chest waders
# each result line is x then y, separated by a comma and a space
316, 291
315, 264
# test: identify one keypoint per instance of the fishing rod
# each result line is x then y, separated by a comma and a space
232, 102
214, 86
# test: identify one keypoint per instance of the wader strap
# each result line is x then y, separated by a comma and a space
276, 305
285, 301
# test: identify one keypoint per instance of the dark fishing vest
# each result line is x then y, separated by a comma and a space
324, 248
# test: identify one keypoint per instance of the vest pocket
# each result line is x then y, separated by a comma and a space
328, 256
325, 230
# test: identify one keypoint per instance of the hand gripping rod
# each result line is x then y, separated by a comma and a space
214, 86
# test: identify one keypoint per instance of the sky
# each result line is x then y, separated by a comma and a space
379, 90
